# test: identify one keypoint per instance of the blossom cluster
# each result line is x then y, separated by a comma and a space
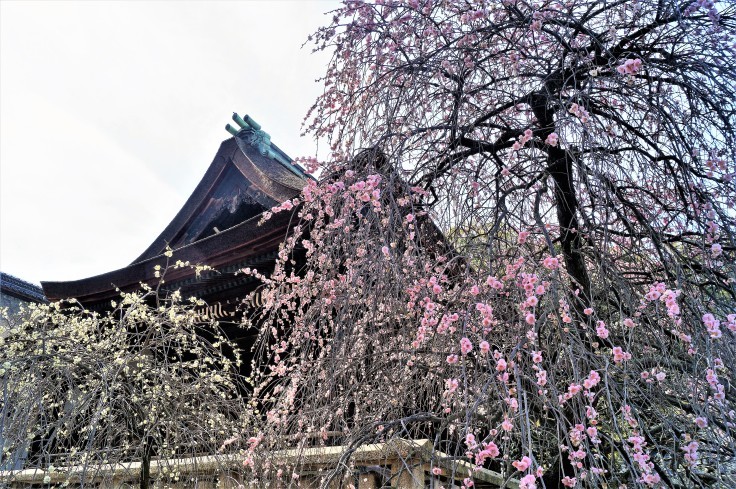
629, 66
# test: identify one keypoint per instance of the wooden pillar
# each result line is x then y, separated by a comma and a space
367, 481
206, 482
228, 480
337, 483
110, 482
408, 473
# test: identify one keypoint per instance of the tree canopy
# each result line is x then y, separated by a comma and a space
523, 244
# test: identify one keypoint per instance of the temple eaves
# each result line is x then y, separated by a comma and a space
218, 225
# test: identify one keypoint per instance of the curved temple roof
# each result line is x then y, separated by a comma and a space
218, 224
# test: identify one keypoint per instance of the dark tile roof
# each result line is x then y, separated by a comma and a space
15, 287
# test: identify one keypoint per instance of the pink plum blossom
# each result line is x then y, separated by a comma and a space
619, 355
466, 346
529, 481
551, 263
569, 481
629, 66
601, 330
592, 380
523, 464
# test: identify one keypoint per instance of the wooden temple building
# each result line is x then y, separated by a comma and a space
218, 226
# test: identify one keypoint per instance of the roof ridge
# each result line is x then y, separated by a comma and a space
251, 132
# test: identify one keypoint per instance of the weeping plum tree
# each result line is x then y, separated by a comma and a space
84, 393
531, 261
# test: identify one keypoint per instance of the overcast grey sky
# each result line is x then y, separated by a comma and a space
110, 112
